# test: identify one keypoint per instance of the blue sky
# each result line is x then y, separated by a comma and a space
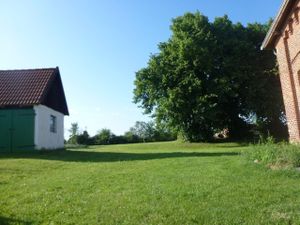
99, 45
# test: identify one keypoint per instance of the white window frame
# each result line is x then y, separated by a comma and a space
53, 124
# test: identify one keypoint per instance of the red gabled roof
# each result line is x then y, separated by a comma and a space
30, 87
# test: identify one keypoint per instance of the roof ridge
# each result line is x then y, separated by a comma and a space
35, 69
30, 87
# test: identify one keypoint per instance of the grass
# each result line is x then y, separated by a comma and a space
156, 183
275, 155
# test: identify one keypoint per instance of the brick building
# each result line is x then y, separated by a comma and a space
284, 38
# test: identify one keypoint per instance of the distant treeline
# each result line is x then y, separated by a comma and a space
140, 132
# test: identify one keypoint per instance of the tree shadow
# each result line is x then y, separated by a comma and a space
90, 156
222, 145
9, 221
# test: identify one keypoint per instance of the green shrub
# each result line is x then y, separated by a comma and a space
274, 155
75, 146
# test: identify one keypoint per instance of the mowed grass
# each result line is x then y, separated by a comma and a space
157, 183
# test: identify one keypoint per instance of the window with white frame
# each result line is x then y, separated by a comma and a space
53, 126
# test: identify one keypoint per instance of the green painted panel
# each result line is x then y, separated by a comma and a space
23, 129
16, 129
5, 130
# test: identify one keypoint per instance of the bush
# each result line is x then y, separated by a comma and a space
130, 137
75, 146
117, 139
84, 139
275, 155
104, 137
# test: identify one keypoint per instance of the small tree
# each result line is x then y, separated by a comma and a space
104, 137
84, 138
150, 131
146, 131
130, 137
74, 132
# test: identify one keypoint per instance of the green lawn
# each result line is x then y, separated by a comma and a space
158, 183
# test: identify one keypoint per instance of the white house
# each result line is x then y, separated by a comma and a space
32, 109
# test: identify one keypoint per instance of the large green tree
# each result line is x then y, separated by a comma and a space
209, 76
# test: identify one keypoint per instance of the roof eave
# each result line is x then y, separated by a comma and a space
275, 29
66, 113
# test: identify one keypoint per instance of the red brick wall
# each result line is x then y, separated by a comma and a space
288, 55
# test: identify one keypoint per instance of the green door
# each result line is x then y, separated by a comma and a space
5, 130
17, 129
23, 129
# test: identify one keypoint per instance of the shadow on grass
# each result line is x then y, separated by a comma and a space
8, 221
89, 156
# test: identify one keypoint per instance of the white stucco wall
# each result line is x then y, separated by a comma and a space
44, 138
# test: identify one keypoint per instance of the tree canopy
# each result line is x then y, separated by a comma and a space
209, 76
